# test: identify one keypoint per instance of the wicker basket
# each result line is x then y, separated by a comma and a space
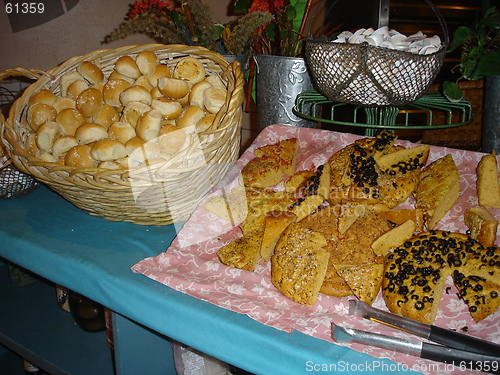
159, 194
371, 76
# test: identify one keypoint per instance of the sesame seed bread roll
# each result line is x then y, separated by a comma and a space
196, 93
108, 149
39, 113
190, 117
89, 102
169, 109
115, 75
67, 79
30, 144
156, 93
133, 112
79, 157
144, 82
205, 123
76, 88
146, 61
135, 94
214, 98
62, 145
173, 88
64, 102
127, 66
190, 69
91, 72
106, 116
43, 96
89, 133
139, 152
121, 131
171, 139
160, 70
46, 134
148, 126
112, 90
70, 119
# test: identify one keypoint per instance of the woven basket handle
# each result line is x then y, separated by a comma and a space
433, 7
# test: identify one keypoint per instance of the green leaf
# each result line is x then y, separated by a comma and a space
462, 33
242, 6
489, 65
300, 8
219, 28
452, 91
289, 13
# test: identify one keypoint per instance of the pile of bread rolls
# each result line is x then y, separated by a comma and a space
143, 107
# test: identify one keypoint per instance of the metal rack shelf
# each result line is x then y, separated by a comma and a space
431, 111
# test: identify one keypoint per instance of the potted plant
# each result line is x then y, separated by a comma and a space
480, 59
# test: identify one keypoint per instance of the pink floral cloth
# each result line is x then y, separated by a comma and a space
190, 264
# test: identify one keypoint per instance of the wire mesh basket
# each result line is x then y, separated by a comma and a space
372, 75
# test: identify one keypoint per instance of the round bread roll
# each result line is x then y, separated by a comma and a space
46, 156
133, 111
206, 122
110, 164
108, 149
64, 102
46, 134
67, 79
62, 145
79, 157
216, 81
190, 116
171, 139
146, 61
214, 98
30, 144
112, 90
76, 88
169, 109
196, 93
190, 69
121, 131
144, 82
106, 116
173, 88
89, 133
91, 72
145, 151
115, 75
148, 126
70, 119
89, 102
43, 96
127, 66
156, 93
132, 144
39, 113
135, 94
160, 70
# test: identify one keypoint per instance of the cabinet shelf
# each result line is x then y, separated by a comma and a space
33, 326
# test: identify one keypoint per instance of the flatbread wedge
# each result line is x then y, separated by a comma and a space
275, 223
244, 252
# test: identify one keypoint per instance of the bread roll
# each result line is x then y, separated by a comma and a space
216, 81
64, 102
76, 88
160, 70
67, 79
127, 66
190, 69
110, 164
115, 75
196, 93
46, 156
46, 134
89, 133
89, 102
169, 109
112, 90
133, 144
30, 144
91, 72
173, 88
62, 145
70, 119
79, 157
156, 93
148, 126
144, 82
121, 131
39, 113
106, 116
171, 139
133, 112
214, 98
146, 61
108, 149
135, 94
43, 96
190, 116
205, 123
140, 152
